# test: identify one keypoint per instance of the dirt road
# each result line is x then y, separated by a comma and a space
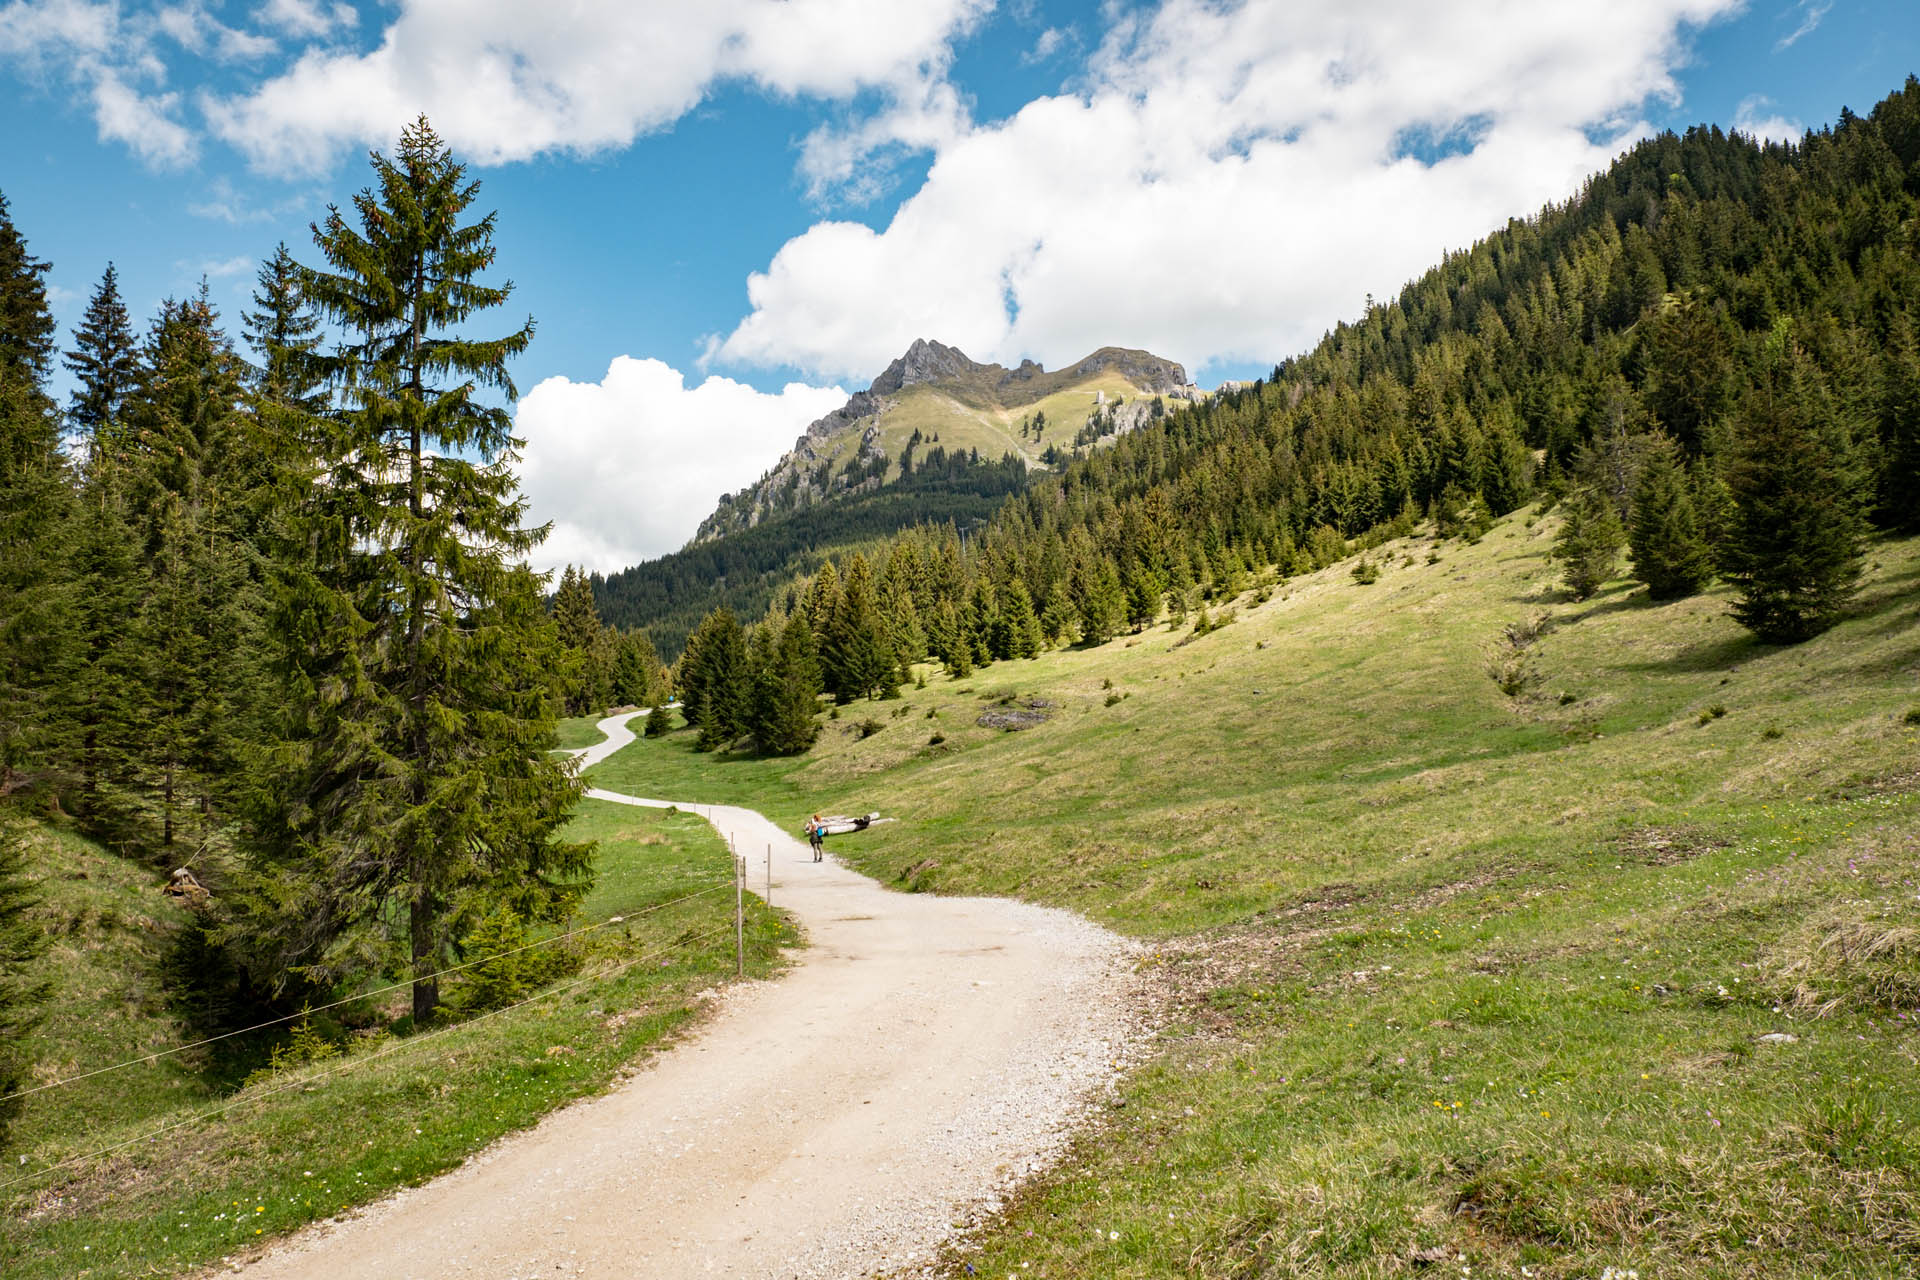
922, 1053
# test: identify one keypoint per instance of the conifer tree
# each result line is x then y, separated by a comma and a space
856, 660
415, 792
717, 684
1097, 598
35, 502
1019, 626
1058, 618
1687, 359
284, 332
1590, 540
949, 641
24, 987
786, 688
589, 665
1899, 480
1794, 550
637, 679
104, 362
102, 694
200, 476
1141, 588
1670, 553
26, 326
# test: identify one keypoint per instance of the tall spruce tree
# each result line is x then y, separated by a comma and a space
414, 792
35, 502
856, 659
716, 680
589, 669
1899, 479
1794, 550
106, 678
26, 326
1670, 552
283, 332
104, 362
201, 476
785, 723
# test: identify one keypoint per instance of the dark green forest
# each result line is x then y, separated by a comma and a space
268, 618
743, 570
1707, 359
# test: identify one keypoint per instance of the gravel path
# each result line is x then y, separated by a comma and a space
922, 1055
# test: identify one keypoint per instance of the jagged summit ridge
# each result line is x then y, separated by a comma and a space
990, 393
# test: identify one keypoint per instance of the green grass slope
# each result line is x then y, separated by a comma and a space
980, 422
1622, 971
207, 1172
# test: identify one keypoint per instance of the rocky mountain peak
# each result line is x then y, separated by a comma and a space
925, 361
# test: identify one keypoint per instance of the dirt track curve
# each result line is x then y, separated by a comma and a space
922, 1053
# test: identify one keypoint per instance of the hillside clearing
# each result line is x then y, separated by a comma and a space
1461, 971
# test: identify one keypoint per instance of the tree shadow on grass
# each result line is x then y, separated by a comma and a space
1715, 655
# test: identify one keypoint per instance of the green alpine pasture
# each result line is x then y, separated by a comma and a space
214, 1164
1492, 930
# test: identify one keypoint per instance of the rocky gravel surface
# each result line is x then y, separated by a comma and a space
922, 1056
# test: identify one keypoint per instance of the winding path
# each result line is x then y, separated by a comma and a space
921, 1054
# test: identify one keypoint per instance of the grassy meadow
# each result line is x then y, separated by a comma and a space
1495, 930
213, 1167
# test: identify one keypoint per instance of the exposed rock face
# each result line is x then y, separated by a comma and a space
925, 362
797, 481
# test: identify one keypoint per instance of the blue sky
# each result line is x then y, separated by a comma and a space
726, 213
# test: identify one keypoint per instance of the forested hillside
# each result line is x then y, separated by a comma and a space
743, 570
269, 622
1712, 348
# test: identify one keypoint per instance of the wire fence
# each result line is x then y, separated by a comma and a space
624, 918
355, 1064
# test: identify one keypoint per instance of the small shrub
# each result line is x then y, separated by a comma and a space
932, 712
1717, 710
1568, 699
1106, 684
833, 714
1112, 699
1912, 716
307, 1044
1771, 732
869, 727
507, 969
936, 739
1366, 573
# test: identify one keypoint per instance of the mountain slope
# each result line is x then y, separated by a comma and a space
1541, 982
935, 396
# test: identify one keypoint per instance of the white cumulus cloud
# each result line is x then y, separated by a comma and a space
504, 80
627, 467
1226, 181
